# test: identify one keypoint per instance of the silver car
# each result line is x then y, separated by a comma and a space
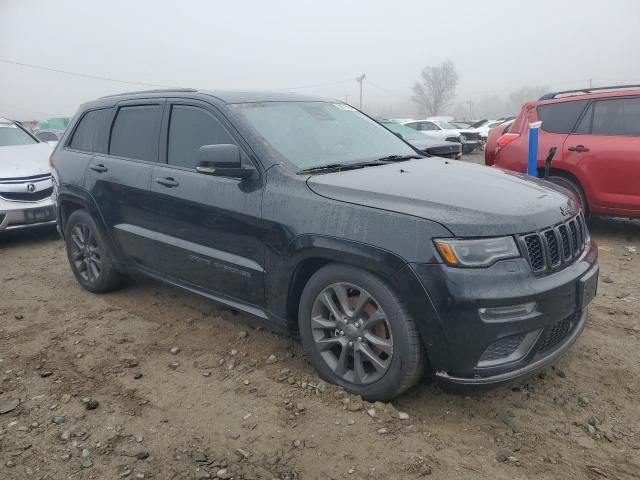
25, 179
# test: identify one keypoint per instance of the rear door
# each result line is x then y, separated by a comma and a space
119, 176
558, 121
605, 149
209, 229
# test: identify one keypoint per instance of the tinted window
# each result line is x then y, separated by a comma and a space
92, 131
584, 127
189, 129
560, 117
617, 117
135, 132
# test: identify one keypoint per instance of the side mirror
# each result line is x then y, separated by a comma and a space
222, 161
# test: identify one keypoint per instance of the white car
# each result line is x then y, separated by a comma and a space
469, 138
483, 127
25, 179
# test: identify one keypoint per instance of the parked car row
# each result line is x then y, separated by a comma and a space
310, 215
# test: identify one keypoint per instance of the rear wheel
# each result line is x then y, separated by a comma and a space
358, 334
89, 258
573, 187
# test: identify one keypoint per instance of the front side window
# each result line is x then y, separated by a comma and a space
11, 135
92, 132
311, 134
619, 116
135, 132
560, 117
189, 129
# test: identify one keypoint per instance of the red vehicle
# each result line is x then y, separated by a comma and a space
597, 136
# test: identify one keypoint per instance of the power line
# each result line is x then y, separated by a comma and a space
82, 75
338, 82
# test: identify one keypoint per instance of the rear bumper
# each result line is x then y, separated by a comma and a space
20, 215
482, 338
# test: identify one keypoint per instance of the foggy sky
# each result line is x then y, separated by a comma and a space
497, 46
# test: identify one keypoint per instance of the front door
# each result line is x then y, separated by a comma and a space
605, 148
209, 229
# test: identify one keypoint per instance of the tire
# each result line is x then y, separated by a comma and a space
394, 341
88, 255
573, 187
467, 149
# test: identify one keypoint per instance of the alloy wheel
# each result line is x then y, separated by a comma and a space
351, 332
85, 253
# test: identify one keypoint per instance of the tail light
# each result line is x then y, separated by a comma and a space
505, 140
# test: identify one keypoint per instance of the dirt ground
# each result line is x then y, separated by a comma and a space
152, 382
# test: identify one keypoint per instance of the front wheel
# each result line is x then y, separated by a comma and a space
358, 334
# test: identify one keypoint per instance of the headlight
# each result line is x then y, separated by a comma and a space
480, 252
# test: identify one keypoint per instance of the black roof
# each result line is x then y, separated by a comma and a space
226, 96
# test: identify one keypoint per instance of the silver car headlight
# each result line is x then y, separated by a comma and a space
476, 252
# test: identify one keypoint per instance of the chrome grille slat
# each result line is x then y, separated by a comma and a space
555, 248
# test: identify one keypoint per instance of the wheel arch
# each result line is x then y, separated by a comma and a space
560, 172
75, 198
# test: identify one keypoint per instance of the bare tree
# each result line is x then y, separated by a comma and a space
522, 95
436, 88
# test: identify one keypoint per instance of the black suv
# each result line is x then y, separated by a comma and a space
312, 215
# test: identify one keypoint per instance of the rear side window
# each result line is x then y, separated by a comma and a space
560, 117
619, 116
135, 132
92, 132
189, 129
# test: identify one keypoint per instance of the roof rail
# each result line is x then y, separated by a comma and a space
549, 96
157, 90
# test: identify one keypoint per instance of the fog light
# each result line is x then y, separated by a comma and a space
510, 312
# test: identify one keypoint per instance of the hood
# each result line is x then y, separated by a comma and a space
25, 160
469, 199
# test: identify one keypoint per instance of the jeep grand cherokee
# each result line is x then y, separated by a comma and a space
312, 215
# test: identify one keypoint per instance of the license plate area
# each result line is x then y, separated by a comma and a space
587, 288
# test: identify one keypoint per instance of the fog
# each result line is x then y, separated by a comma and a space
313, 47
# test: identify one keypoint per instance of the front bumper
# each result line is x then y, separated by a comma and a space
474, 349
19, 215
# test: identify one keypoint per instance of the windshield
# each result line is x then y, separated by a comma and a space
407, 133
312, 134
11, 135
446, 126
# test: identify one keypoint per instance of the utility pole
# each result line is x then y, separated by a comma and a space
359, 80
346, 98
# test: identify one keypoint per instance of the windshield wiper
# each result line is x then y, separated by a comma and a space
398, 158
338, 167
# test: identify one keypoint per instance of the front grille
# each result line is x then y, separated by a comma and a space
27, 196
502, 348
554, 334
556, 247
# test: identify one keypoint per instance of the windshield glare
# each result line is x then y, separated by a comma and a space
11, 135
312, 134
